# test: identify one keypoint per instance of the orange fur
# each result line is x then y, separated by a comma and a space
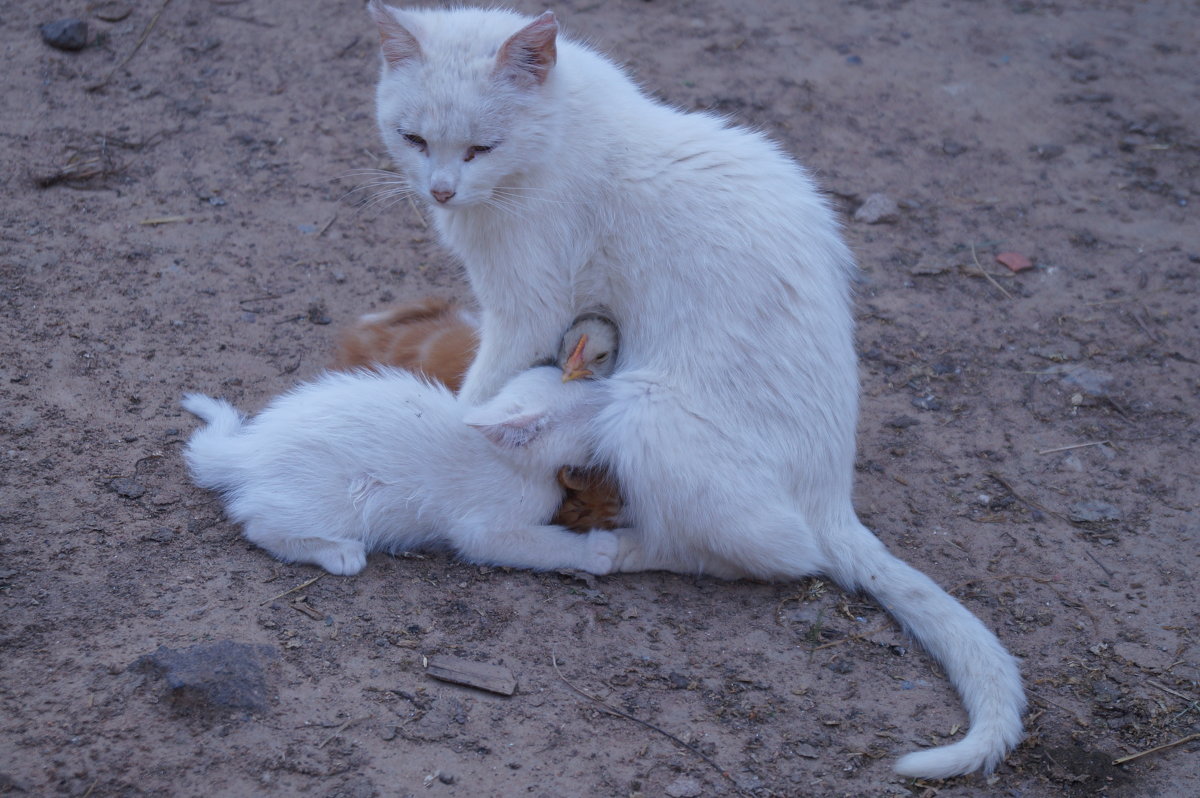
590, 501
431, 337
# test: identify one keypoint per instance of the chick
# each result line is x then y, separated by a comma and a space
591, 499
589, 348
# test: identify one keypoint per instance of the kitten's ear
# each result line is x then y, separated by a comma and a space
506, 429
528, 55
397, 45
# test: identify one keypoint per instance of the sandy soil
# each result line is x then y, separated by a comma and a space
1026, 439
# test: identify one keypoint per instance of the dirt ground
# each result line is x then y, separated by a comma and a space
1026, 439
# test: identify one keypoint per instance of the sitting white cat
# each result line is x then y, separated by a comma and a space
559, 184
355, 463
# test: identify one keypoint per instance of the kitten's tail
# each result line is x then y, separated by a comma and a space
210, 453
979, 667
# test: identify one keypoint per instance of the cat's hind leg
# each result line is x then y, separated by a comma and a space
539, 548
336, 555
774, 544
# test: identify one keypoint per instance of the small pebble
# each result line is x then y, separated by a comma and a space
1094, 512
129, 488
927, 403
113, 11
877, 209
65, 34
1015, 261
685, 787
161, 535
953, 148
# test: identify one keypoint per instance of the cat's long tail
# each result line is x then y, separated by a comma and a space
978, 665
211, 452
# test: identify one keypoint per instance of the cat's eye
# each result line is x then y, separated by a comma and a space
603, 356
477, 149
414, 140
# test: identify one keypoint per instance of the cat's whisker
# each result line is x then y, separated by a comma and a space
393, 185
374, 188
503, 205
382, 200
515, 196
365, 172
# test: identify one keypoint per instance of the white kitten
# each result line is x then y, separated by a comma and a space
731, 423
361, 462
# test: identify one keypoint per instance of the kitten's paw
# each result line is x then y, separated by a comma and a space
343, 558
602, 550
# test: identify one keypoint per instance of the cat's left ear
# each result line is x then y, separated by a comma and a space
510, 429
528, 55
396, 43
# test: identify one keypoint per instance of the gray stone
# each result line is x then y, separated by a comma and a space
1089, 380
877, 209
1059, 351
65, 34
1094, 512
685, 787
127, 487
927, 403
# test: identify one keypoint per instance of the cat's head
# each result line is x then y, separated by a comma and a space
461, 101
540, 418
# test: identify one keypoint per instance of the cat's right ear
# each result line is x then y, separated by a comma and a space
396, 43
528, 55
509, 429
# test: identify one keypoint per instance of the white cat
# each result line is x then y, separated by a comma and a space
730, 424
360, 462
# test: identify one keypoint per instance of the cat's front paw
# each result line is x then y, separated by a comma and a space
344, 559
602, 550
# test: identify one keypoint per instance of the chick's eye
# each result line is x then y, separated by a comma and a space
414, 140
477, 149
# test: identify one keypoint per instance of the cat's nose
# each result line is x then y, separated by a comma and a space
442, 195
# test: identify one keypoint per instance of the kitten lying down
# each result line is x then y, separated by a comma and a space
386, 461
438, 339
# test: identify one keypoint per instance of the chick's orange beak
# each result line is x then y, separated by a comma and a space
574, 369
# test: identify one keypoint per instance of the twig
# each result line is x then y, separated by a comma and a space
1156, 749
1073, 446
133, 52
328, 225
294, 589
858, 636
348, 47
1120, 410
1103, 567
1052, 702
989, 277
1166, 689
1028, 502
1004, 578
1133, 315
341, 729
614, 711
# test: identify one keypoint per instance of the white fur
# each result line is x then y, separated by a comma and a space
354, 463
731, 421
